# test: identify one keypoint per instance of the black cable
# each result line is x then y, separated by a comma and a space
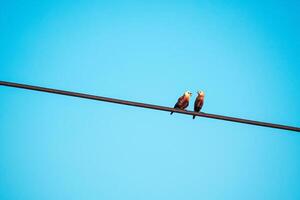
149, 106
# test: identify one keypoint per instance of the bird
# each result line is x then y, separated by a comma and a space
199, 102
183, 101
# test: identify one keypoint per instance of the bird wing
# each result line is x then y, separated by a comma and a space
198, 105
182, 103
178, 103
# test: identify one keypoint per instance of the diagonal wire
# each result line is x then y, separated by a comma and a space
149, 106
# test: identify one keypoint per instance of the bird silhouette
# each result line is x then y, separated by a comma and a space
199, 102
183, 101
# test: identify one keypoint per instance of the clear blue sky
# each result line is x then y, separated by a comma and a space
243, 54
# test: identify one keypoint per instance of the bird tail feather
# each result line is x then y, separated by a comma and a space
194, 116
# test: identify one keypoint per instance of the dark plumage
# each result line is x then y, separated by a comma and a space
198, 102
183, 101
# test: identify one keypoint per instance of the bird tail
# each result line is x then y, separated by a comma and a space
171, 113
194, 116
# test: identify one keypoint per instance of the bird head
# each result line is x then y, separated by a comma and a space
201, 93
188, 94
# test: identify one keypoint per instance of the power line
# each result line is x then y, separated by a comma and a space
149, 106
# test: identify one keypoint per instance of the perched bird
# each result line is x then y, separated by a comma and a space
183, 101
199, 102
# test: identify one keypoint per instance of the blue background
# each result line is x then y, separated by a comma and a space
243, 54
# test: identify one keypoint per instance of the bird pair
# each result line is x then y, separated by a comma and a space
183, 102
